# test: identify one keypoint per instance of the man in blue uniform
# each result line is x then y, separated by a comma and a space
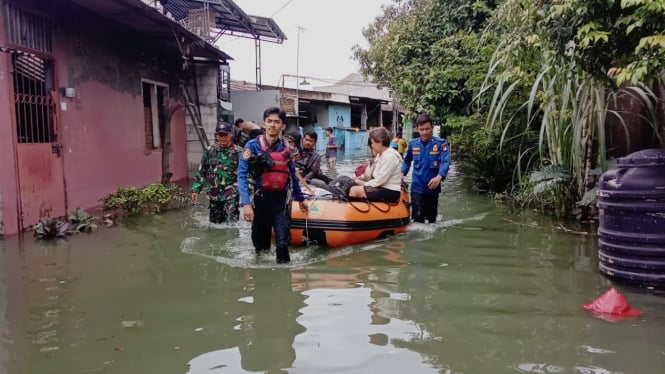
268, 161
431, 159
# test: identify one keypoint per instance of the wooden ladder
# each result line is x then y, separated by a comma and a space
194, 112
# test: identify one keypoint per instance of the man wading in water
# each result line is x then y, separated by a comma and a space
268, 159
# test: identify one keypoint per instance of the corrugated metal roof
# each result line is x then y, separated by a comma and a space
147, 21
230, 18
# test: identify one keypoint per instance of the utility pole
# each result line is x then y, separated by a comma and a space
297, 106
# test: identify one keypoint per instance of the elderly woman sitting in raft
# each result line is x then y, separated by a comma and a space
382, 180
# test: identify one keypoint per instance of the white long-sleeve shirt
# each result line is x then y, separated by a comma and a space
386, 171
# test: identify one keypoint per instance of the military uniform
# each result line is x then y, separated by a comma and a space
219, 170
429, 160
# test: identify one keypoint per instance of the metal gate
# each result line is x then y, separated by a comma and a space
39, 155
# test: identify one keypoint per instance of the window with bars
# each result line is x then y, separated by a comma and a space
33, 103
32, 76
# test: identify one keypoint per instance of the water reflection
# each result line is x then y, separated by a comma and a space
266, 329
352, 314
482, 291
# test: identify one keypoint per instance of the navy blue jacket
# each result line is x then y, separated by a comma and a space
254, 148
429, 160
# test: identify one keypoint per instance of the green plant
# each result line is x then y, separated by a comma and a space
156, 197
548, 189
82, 220
564, 54
153, 198
129, 200
179, 197
51, 228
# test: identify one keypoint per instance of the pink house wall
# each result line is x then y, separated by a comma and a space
8, 187
104, 145
102, 127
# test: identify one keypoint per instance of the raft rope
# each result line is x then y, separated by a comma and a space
360, 210
390, 205
371, 204
306, 236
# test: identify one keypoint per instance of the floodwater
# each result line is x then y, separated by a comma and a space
482, 291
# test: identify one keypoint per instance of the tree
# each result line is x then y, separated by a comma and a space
169, 109
426, 52
434, 57
617, 39
569, 52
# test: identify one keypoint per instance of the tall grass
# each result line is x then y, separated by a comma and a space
569, 109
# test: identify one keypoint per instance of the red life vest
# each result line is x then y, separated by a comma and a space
277, 177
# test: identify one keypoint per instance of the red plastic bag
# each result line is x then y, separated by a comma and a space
612, 306
360, 170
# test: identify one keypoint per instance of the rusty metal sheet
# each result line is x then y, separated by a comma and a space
41, 183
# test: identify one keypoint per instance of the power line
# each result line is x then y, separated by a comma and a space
280, 8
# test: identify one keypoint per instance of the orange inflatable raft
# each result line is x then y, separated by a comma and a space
334, 222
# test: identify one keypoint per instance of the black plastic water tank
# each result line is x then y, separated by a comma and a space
631, 202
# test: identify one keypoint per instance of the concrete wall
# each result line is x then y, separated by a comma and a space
102, 128
356, 143
206, 82
339, 115
249, 105
321, 113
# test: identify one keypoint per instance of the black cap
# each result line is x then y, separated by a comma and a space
223, 127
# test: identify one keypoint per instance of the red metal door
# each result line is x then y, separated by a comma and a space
39, 155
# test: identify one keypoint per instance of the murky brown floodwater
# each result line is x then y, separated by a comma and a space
481, 292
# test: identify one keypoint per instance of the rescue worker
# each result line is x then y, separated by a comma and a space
218, 169
431, 159
268, 160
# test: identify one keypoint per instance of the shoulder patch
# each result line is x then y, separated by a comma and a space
444, 147
247, 154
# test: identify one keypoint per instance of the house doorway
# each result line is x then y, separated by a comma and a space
38, 151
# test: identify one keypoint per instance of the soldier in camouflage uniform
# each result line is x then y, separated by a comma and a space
219, 169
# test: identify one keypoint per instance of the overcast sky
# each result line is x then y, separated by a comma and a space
332, 27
